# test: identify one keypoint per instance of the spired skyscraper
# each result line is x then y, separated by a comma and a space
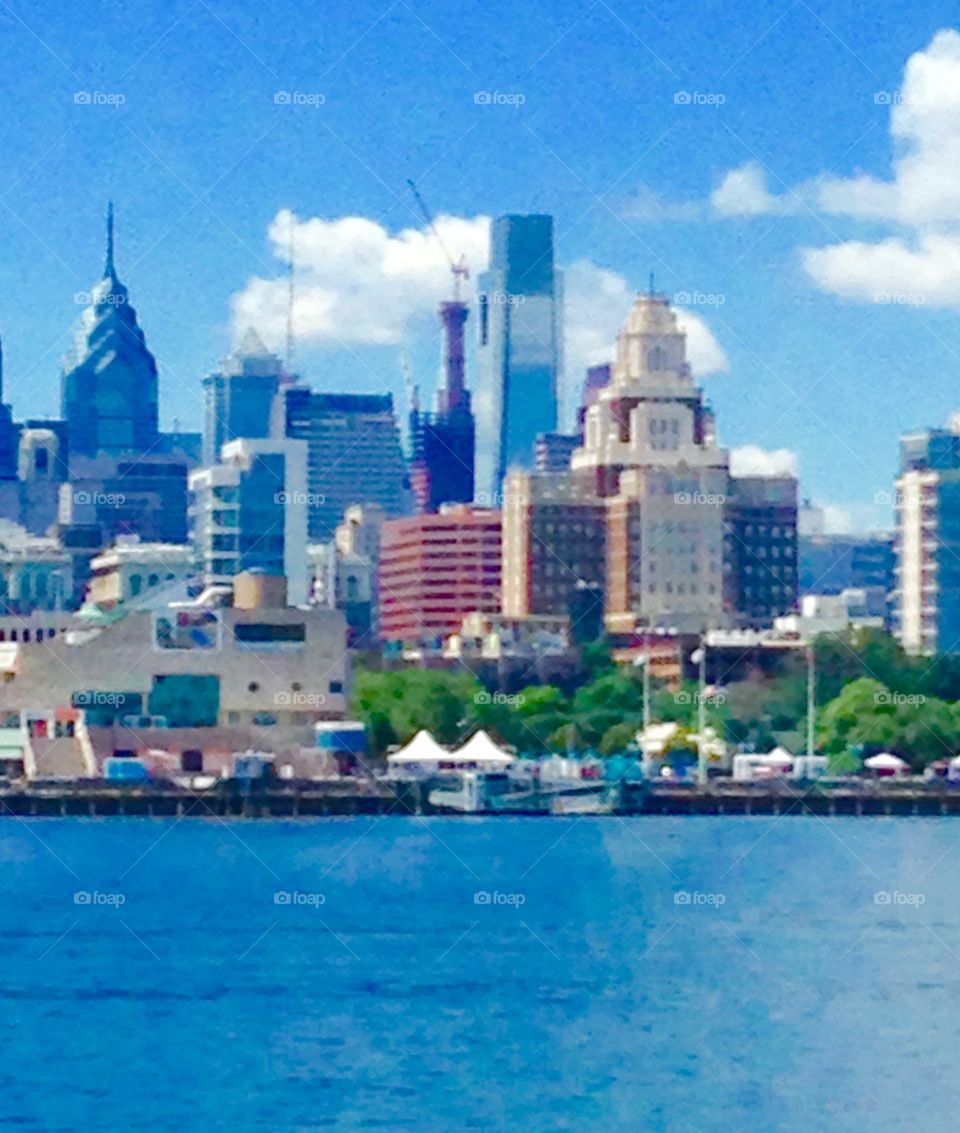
518, 356
108, 387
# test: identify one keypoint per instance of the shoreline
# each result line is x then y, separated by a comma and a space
87, 800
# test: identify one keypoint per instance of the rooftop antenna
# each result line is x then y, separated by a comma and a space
290, 298
459, 270
652, 292
108, 267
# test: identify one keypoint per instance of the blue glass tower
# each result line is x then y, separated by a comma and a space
518, 354
108, 390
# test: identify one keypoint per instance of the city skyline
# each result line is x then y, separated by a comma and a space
714, 196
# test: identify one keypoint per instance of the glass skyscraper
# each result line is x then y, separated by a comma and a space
518, 355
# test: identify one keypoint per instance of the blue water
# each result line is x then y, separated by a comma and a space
780, 996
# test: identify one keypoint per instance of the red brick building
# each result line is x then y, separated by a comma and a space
436, 569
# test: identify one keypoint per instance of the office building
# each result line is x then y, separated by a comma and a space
650, 451
109, 379
437, 569
142, 495
9, 434
354, 454
519, 348
238, 399
552, 451
554, 542
760, 552
248, 513
927, 594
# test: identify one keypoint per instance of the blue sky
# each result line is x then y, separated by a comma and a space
200, 159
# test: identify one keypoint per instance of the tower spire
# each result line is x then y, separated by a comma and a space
108, 269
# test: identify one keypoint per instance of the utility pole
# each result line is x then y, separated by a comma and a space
811, 696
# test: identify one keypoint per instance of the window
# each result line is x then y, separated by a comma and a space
265, 633
336, 686
253, 687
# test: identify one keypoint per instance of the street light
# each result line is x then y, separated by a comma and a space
699, 656
642, 661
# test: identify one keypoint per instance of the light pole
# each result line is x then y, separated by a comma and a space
700, 656
811, 697
643, 661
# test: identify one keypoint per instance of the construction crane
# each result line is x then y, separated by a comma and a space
459, 270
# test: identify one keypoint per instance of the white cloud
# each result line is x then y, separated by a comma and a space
356, 284
752, 460
922, 264
743, 192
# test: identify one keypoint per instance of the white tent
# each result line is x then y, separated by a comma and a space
481, 749
423, 748
885, 761
779, 755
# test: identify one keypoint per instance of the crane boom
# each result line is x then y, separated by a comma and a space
459, 270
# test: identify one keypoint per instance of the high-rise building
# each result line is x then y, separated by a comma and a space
760, 553
554, 541
442, 443
437, 569
109, 380
238, 399
518, 357
552, 451
9, 434
650, 450
355, 455
927, 595
249, 513
133, 495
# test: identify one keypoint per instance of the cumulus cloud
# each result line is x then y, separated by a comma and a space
356, 284
752, 460
922, 263
743, 192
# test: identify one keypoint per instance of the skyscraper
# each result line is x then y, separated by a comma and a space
9, 434
238, 399
108, 388
249, 513
518, 354
442, 464
927, 595
355, 456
